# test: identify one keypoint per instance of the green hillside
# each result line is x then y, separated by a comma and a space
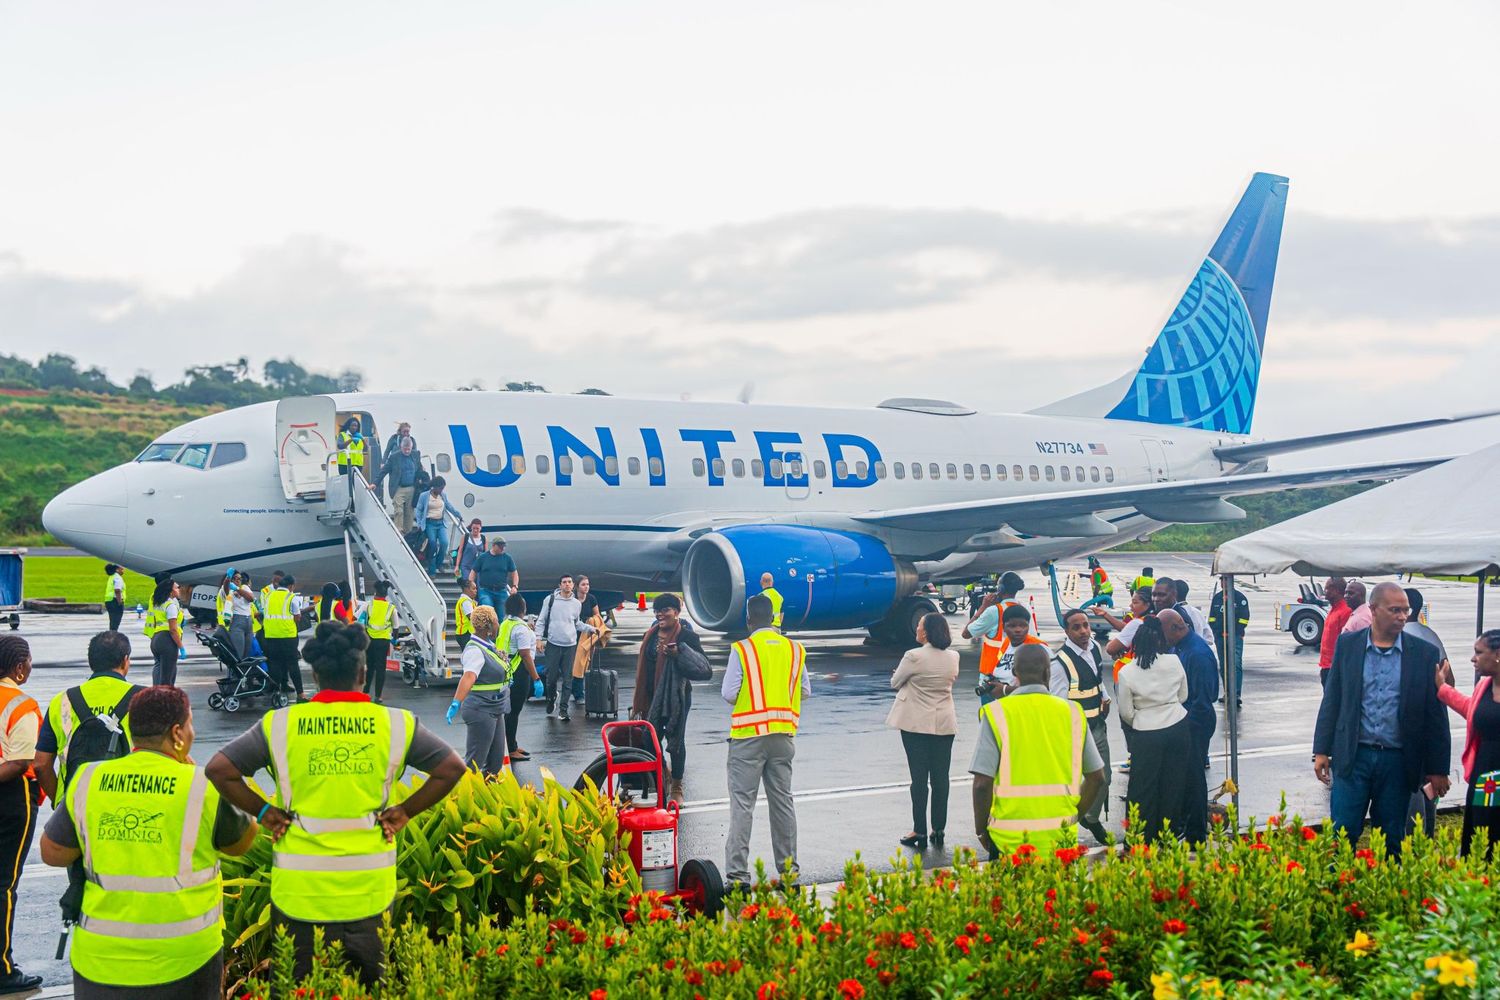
51, 440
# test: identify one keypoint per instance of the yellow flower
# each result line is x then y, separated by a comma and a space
1432, 963
1163, 987
1362, 945
1211, 988
1456, 972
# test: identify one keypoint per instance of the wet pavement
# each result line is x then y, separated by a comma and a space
850, 778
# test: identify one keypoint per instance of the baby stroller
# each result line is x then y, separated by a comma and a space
245, 678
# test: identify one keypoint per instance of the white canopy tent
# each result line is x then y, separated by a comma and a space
1443, 520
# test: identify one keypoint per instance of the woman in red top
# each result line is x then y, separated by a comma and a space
1481, 710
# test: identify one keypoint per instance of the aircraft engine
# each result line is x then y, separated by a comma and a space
828, 579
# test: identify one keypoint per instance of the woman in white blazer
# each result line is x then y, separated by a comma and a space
1150, 691
928, 721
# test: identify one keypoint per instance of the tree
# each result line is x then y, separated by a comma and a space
58, 371
97, 380
350, 380
17, 371
286, 377
527, 386
141, 385
594, 392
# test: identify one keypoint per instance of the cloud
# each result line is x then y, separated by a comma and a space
520, 225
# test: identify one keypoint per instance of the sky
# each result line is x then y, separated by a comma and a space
810, 202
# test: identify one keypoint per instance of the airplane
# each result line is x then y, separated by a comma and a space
851, 510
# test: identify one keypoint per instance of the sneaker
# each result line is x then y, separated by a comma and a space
564, 717
1125, 767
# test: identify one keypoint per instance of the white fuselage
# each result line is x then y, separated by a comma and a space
621, 514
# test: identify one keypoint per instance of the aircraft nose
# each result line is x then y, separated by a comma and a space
91, 515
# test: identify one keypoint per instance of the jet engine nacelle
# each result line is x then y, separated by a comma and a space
828, 579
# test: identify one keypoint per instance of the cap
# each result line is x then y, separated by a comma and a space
1012, 583
497, 540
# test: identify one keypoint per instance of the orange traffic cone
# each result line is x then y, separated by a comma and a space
1035, 627
640, 602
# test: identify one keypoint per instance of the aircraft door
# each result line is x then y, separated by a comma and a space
305, 436
1156, 460
796, 481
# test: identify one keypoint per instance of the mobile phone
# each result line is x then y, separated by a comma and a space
1429, 791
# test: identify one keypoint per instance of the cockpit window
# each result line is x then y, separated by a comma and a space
159, 453
194, 456
227, 453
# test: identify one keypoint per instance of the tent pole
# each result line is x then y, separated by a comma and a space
1229, 625
1479, 618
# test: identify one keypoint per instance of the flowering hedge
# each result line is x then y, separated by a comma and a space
1283, 910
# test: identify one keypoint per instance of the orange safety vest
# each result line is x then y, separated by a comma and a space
990, 650
15, 705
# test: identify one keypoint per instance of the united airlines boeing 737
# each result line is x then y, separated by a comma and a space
850, 509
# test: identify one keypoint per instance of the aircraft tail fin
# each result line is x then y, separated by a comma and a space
1204, 368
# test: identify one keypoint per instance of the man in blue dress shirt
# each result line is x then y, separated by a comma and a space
1202, 670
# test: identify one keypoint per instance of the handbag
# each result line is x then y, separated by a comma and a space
693, 665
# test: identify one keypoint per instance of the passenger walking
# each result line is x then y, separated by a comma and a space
521, 650
1193, 615
495, 573
483, 694
1381, 727
768, 588
1360, 612
164, 628
433, 508
558, 625
394, 443
1035, 768
1481, 757
106, 695
280, 640
1203, 691
670, 659
925, 715
152, 924
114, 595
20, 726
380, 616
1333, 626
1077, 675
400, 473
332, 824
1151, 690
997, 656
765, 682
238, 604
463, 614
592, 643
1241, 622
351, 447
470, 548
1099, 583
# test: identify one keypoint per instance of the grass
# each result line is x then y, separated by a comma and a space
79, 578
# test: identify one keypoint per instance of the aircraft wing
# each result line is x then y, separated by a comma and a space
1263, 449
1076, 514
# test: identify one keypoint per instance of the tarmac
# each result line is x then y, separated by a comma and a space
850, 779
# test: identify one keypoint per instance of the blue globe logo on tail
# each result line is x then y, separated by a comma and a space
1203, 369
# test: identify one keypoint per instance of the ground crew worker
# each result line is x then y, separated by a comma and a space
1146, 580
235, 605
20, 725
1103, 589
379, 616
147, 827
1078, 671
765, 682
483, 693
114, 595
265, 592
463, 613
768, 588
351, 445
1034, 766
164, 628
985, 623
101, 695
996, 655
332, 827
1241, 622
280, 640
521, 649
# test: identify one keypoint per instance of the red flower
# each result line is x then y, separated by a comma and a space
669, 964
600, 994
1308, 833
1102, 976
716, 968
579, 936
872, 960
1356, 911
609, 942
659, 913
1430, 905
631, 916
1026, 850
1051, 893
1068, 855
735, 965
1292, 866
1049, 907
1082, 937
1174, 926
693, 977
971, 928
1273, 821
907, 939
1160, 895
830, 928
851, 989
1091, 907
502, 949
962, 943
886, 978
539, 961
1260, 847
767, 991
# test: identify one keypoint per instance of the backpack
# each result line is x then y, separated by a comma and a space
97, 737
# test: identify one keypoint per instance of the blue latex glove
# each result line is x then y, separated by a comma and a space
537, 690
182, 652
453, 712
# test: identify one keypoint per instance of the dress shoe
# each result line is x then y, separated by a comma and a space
1095, 829
914, 840
674, 791
18, 981
937, 838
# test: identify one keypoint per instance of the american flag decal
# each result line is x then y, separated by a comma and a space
1097, 449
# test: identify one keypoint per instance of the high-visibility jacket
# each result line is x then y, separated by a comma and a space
221, 611
770, 698
463, 612
152, 902
116, 580
157, 619
15, 706
502, 644
1100, 581
1140, 582
496, 673
776, 600
351, 449
101, 692
280, 622
1085, 687
990, 650
1041, 771
334, 764
378, 619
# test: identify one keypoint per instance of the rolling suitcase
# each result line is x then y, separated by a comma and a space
601, 693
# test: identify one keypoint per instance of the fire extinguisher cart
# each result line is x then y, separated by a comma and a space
698, 886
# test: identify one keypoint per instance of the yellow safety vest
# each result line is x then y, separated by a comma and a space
280, 622
1142, 582
101, 693
463, 610
776, 601
153, 899
334, 765
1101, 582
498, 678
1041, 771
157, 620
351, 451
1086, 695
378, 620
770, 698
115, 580
222, 611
